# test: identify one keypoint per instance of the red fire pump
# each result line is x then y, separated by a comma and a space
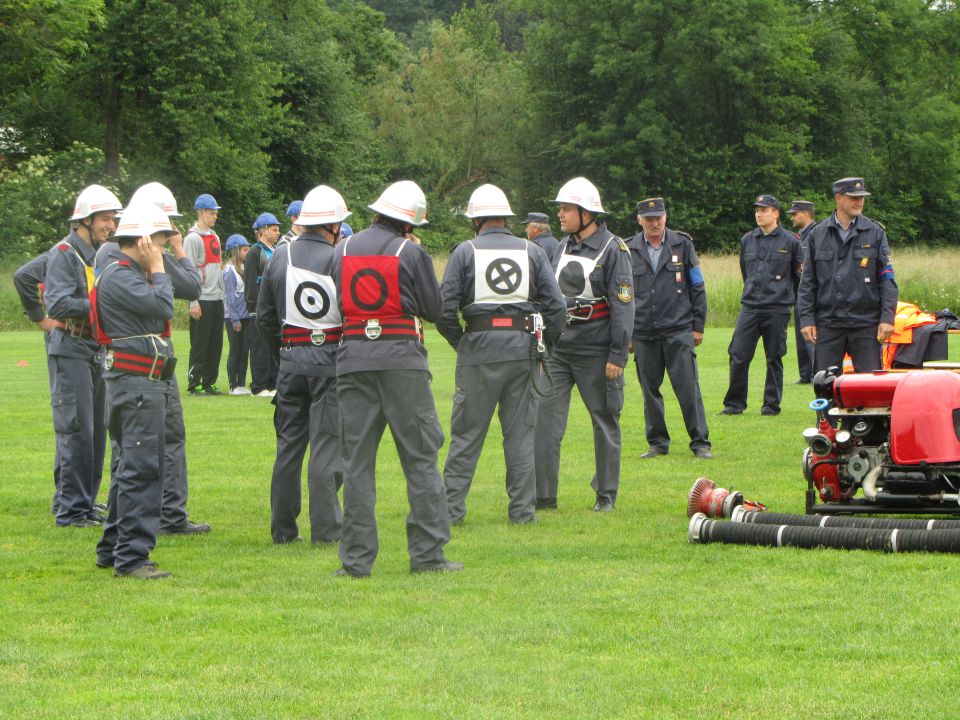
894, 437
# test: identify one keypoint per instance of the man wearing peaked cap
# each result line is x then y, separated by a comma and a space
770, 262
802, 213
848, 292
202, 246
539, 233
671, 311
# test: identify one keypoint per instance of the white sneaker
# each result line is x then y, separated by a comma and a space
238, 391
266, 393
244, 391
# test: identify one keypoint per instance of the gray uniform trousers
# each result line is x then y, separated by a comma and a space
369, 401
306, 411
173, 513
480, 389
78, 419
137, 425
51, 376
676, 355
604, 401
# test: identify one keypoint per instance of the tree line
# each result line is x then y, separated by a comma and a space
707, 104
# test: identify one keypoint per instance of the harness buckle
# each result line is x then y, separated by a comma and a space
373, 329
318, 337
108, 361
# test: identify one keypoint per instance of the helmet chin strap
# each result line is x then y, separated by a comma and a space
583, 226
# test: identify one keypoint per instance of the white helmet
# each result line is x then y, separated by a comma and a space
581, 192
158, 195
94, 199
323, 206
488, 201
143, 219
403, 201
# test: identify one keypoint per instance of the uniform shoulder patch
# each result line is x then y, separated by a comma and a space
625, 292
63, 246
622, 245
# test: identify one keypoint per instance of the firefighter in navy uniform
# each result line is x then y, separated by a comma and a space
770, 263
298, 316
510, 302
385, 284
185, 280
132, 308
671, 312
802, 216
848, 292
78, 391
595, 276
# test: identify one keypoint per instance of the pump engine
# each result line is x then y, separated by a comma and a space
885, 442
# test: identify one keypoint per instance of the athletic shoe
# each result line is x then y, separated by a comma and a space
197, 391
266, 393
212, 390
239, 391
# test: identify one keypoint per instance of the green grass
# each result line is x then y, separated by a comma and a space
581, 616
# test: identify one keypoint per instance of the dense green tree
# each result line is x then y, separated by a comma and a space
452, 119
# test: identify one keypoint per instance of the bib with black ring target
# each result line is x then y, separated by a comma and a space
311, 300
502, 277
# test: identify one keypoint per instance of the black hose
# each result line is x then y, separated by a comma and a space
705, 530
766, 518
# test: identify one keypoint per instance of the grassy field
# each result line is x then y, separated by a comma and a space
582, 616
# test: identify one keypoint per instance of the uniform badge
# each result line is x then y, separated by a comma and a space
625, 293
676, 258
679, 277
623, 245
863, 262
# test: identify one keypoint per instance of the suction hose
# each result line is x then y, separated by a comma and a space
704, 530
751, 517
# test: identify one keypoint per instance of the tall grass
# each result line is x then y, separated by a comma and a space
927, 277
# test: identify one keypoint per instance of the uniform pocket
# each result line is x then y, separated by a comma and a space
65, 412
141, 455
456, 414
330, 414
614, 395
431, 434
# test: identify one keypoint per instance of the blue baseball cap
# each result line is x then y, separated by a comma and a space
236, 241
205, 202
265, 220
